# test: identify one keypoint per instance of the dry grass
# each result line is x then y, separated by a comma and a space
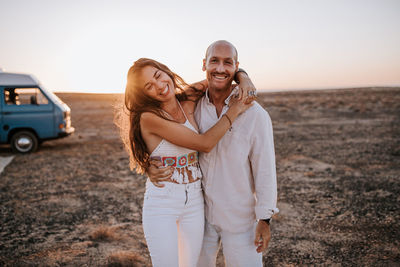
346, 214
65, 255
104, 233
57, 256
125, 259
309, 174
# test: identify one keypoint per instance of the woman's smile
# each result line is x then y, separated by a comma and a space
166, 90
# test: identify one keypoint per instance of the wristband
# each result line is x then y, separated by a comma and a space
235, 78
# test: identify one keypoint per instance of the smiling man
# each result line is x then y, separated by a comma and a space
239, 176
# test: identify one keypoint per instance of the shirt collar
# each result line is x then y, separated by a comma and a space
234, 91
207, 97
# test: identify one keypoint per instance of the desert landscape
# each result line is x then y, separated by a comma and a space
75, 202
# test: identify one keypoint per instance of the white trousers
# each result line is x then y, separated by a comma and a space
238, 248
173, 223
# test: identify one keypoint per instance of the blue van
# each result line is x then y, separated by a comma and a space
30, 114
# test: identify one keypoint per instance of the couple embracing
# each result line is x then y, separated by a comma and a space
209, 153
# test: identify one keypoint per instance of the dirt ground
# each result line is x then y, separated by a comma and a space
76, 203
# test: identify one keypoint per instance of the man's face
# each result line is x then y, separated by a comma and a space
220, 66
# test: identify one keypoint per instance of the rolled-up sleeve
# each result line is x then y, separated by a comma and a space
262, 159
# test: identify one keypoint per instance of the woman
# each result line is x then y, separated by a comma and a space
162, 127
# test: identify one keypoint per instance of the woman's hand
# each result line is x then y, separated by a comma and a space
237, 106
246, 87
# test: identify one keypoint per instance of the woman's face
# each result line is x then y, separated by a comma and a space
156, 84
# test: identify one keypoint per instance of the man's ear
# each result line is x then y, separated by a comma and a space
204, 64
237, 65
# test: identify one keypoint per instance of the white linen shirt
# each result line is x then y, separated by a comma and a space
239, 175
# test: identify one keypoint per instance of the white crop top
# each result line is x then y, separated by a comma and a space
185, 161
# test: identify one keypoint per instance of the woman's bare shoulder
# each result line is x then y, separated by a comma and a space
147, 118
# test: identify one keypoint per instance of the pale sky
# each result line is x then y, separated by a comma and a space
89, 45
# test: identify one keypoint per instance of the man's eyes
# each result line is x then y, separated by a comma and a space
225, 62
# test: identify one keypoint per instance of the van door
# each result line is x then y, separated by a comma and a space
28, 108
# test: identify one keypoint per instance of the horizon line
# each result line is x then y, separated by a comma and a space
259, 90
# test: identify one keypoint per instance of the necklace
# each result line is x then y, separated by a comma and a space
179, 114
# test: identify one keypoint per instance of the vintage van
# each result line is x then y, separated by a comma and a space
30, 114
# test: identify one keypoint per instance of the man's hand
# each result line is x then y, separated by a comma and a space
263, 235
247, 88
158, 173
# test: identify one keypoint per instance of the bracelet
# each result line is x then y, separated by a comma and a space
235, 78
230, 121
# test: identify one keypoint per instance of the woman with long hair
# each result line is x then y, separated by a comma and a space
162, 127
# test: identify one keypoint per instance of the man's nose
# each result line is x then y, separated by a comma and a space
220, 67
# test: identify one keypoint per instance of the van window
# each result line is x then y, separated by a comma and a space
24, 96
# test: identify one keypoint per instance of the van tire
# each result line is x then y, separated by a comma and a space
24, 142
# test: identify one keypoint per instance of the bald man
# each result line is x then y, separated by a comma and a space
239, 175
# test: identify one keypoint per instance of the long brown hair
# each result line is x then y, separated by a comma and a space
136, 103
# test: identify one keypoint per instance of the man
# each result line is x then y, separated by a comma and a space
239, 176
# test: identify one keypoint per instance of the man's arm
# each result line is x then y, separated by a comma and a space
158, 173
195, 91
262, 158
247, 88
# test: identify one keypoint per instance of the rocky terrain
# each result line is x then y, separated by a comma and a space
75, 202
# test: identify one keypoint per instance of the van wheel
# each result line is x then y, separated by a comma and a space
24, 142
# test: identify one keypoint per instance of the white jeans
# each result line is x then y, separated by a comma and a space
173, 223
238, 248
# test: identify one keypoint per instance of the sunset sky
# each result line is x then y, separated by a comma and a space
88, 45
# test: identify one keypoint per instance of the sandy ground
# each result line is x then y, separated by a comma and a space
75, 202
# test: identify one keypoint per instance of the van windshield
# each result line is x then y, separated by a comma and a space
52, 96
